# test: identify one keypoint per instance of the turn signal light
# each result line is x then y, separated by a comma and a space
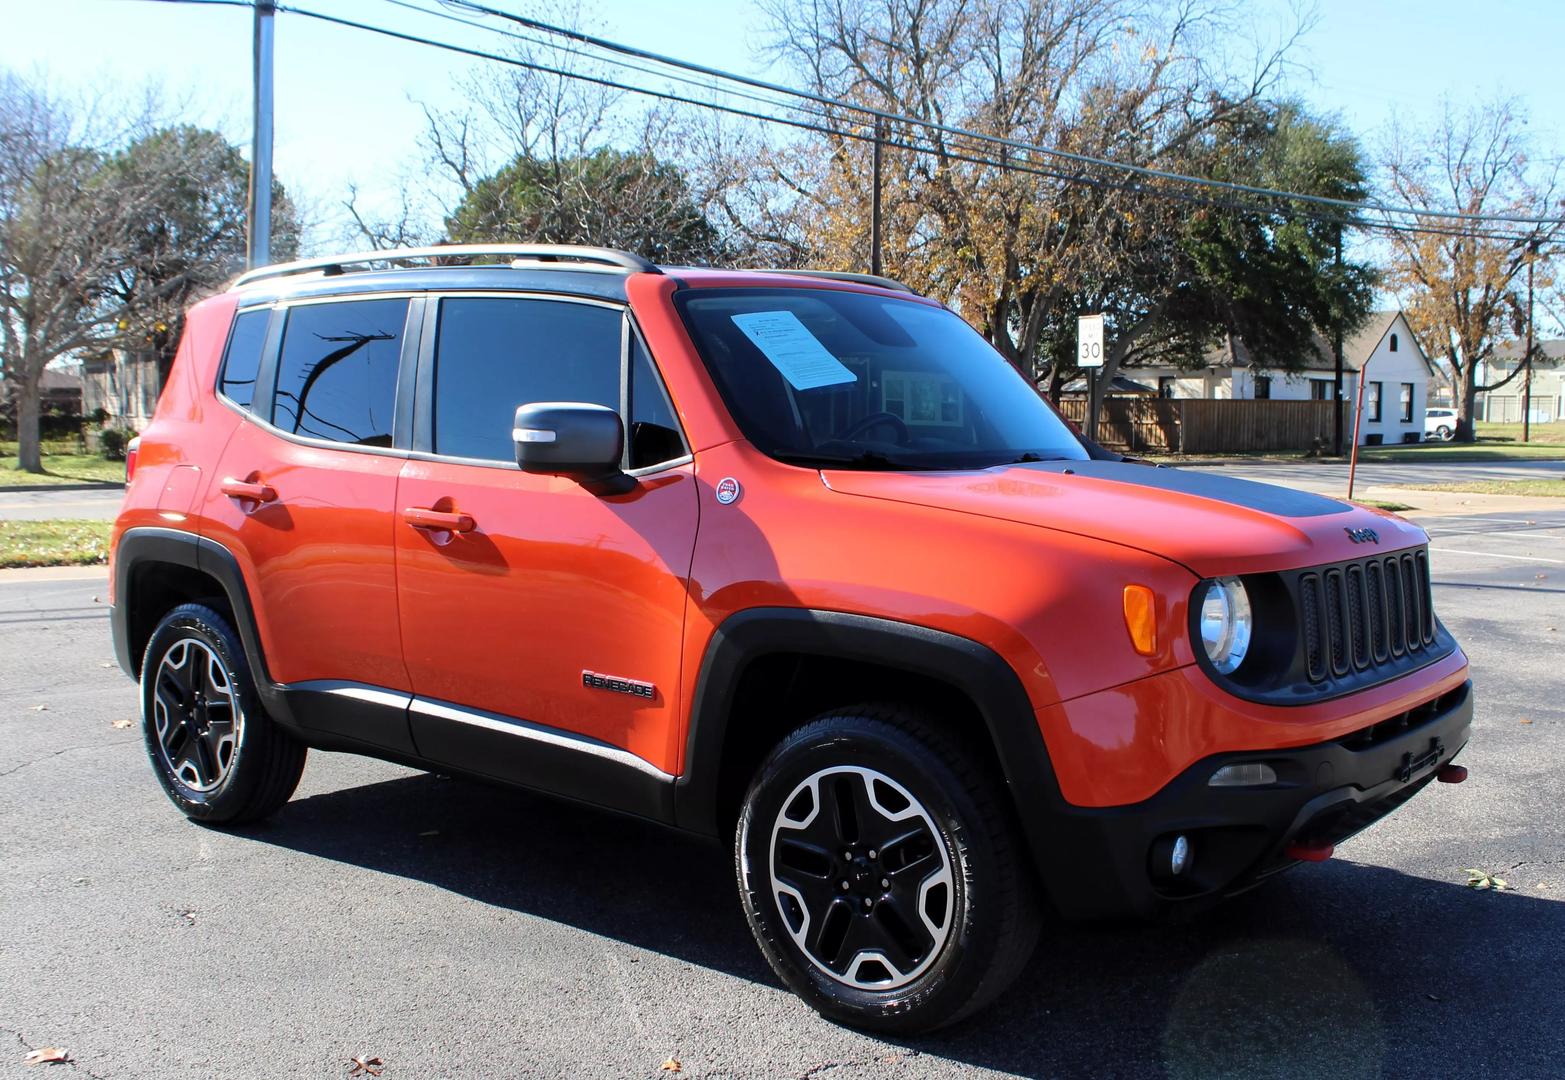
1141, 618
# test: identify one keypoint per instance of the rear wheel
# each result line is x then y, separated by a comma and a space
214, 750
880, 872
1443, 433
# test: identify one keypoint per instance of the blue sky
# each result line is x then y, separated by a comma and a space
343, 98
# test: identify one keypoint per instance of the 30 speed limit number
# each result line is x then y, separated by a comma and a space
1089, 341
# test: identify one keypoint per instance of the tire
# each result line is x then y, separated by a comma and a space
889, 953
1443, 433
219, 757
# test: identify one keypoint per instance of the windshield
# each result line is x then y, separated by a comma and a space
853, 380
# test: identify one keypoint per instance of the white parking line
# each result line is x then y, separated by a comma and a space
1497, 555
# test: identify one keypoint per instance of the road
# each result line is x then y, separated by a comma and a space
100, 504
453, 929
1330, 478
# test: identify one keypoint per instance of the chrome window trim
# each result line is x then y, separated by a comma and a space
288, 303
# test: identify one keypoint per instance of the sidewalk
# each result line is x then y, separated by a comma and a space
1452, 503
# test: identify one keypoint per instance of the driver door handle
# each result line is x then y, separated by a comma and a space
421, 517
243, 489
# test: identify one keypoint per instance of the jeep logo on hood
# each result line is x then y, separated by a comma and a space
1363, 536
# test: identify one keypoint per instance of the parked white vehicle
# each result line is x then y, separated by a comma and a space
1439, 424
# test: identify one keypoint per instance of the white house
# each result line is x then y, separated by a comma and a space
1396, 389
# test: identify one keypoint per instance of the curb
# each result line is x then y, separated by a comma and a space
93, 572
98, 485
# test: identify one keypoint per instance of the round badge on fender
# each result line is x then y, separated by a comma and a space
727, 490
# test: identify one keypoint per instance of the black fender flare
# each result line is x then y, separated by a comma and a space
141, 545
971, 668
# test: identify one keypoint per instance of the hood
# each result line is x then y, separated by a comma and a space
1210, 523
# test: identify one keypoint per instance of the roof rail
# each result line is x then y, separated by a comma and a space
564, 253
842, 275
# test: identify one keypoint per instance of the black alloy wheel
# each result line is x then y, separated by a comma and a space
881, 873
219, 757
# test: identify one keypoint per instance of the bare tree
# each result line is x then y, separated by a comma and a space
1462, 284
1020, 242
63, 230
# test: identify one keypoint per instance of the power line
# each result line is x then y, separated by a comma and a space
947, 129
961, 154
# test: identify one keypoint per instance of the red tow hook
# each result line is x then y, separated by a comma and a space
1309, 852
1451, 774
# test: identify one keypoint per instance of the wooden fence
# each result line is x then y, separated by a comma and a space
1206, 426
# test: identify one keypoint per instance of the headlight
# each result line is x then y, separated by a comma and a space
1226, 623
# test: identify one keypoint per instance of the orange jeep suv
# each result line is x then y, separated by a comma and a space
793, 560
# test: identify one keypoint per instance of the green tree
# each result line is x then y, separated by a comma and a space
611, 198
1254, 269
190, 236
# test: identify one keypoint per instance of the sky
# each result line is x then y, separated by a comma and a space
346, 112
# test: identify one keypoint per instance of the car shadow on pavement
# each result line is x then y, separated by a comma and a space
1342, 969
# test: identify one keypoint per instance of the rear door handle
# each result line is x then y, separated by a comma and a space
423, 518
243, 489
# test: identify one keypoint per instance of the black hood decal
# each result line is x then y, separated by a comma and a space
1204, 483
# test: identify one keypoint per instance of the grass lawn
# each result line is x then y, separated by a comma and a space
1496, 442
63, 464
54, 543
1549, 489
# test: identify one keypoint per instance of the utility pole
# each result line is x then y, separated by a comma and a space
874, 209
1532, 256
259, 246
1336, 349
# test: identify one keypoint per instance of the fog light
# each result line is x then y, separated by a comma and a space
1171, 856
1245, 774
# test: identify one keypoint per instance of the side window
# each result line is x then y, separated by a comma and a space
242, 361
337, 375
654, 432
493, 354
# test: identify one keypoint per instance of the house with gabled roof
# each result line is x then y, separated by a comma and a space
1396, 385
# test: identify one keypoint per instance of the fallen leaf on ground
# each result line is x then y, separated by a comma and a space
430, 832
1482, 879
48, 1055
1525, 720
40, 708
123, 723
672, 1065
369, 1065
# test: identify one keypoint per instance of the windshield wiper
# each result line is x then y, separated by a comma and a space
866, 459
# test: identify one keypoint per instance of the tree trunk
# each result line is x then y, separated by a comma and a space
28, 455
1466, 403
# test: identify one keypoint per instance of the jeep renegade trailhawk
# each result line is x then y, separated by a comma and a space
793, 560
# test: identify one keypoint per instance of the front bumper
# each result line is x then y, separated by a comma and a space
1325, 792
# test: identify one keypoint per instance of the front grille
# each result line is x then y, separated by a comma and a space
1357, 616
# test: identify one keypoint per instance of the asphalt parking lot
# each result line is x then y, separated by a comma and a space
452, 929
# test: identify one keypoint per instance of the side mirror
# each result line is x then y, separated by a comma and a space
569, 438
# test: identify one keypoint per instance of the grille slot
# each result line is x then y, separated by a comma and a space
1357, 616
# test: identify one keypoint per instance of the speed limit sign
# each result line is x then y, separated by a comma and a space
1089, 341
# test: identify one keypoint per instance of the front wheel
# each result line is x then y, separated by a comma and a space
880, 871
1443, 433
217, 754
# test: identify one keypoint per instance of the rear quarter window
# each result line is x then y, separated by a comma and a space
242, 359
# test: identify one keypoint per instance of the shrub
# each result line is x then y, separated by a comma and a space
112, 442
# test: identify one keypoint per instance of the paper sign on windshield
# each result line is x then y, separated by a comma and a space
793, 350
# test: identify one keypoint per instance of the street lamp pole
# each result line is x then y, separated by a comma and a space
259, 246
1532, 256
1336, 349
874, 210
